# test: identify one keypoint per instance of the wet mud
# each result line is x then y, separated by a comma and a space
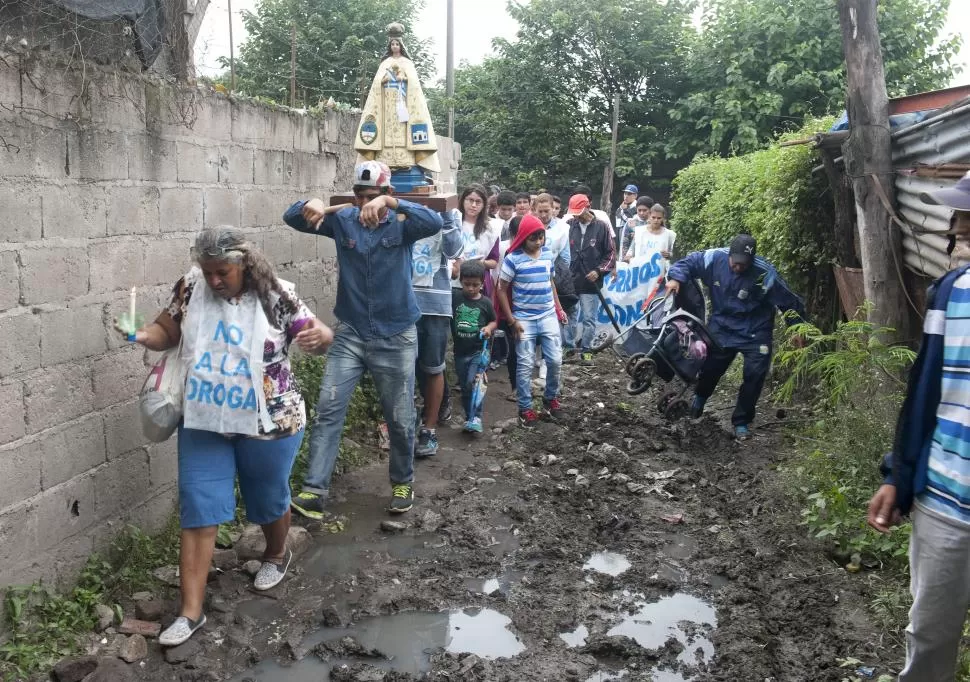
608, 546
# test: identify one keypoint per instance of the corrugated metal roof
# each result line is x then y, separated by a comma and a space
940, 139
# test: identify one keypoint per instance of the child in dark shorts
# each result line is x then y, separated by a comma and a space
473, 319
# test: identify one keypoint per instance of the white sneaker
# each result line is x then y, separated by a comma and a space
542, 371
271, 574
180, 631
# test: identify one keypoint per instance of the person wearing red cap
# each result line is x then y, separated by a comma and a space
927, 474
530, 305
592, 255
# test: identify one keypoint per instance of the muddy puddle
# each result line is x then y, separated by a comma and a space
683, 617
406, 639
502, 583
608, 563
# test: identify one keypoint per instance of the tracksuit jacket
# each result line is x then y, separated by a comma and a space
594, 250
907, 465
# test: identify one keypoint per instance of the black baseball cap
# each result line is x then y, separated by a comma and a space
743, 249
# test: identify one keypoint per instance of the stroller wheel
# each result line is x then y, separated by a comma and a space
643, 373
602, 341
677, 410
665, 401
632, 362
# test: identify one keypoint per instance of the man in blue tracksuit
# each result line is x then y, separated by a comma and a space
744, 292
928, 472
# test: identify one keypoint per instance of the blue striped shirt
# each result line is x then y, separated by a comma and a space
531, 280
947, 491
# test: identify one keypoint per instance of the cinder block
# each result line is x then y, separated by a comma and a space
121, 483
116, 265
163, 463
65, 510
133, 210
49, 93
116, 102
213, 119
12, 412
253, 124
122, 429
118, 376
263, 208
56, 395
32, 151
306, 135
21, 213
236, 165
167, 260
329, 130
71, 333
20, 469
181, 210
270, 168
75, 212
19, 342
10, 84
155, 512
151, 158
53, 274
70, 450
221, 207
9, 280
18, 529
197, 163
277, 245
304, 247
97, 155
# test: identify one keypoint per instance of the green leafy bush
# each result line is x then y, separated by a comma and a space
770, 194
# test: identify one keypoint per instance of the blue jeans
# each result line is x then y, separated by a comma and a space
390, 362
582, 322
466, 367
545, 332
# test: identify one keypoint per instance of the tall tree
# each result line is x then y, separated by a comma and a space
539, 113
759, 67
338, 47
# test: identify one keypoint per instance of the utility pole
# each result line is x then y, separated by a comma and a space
606, 198
868, 161
232, 53
293, 65
450, 70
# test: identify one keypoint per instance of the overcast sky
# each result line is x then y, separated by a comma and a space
477, 22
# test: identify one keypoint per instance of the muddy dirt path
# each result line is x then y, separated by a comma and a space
609, 546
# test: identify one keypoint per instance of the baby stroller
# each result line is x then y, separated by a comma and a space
665, 342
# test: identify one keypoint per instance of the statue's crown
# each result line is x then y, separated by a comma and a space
395, 30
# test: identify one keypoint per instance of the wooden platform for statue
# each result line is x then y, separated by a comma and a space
436, 202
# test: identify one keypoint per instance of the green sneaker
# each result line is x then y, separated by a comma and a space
402, 498
586, 359
309, 505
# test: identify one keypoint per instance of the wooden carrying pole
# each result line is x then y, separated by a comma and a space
868, 161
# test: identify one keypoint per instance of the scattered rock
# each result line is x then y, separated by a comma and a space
430, 521
142, 596
298, 539
469, 662
111, 670
239, 637
394, 526
251, 544
149, 609
572, 472
166, 574
332, 618
621, 478
133, 649
74, 669
495, 469
582, 481
252, 567
219, 604
360, 672
113, 646
182, 652
224, 558
132, 626
106, 617
343, 648
513, 465
485, 481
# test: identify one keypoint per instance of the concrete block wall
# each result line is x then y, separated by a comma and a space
104, 180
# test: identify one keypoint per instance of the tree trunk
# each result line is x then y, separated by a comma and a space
843, 230
868, 159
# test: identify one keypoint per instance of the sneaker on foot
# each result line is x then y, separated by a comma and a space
309, 505
585, 358
473, 425
528, 418
270, 574
552, 407
494, 365
444, 414
697, 407
742, 432
180, 631
402, 498
427, 444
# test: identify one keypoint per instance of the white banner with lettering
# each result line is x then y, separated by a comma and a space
625, 293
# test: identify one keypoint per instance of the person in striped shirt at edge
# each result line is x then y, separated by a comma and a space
927, 474
533, 314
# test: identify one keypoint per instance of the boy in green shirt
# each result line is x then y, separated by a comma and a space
473, 319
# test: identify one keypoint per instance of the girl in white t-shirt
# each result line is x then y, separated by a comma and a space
481, 237
652, 236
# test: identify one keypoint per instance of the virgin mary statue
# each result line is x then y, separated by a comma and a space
395, 126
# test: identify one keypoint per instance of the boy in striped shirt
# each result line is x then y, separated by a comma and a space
527, 296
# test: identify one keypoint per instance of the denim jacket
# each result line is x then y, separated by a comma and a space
374, 292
